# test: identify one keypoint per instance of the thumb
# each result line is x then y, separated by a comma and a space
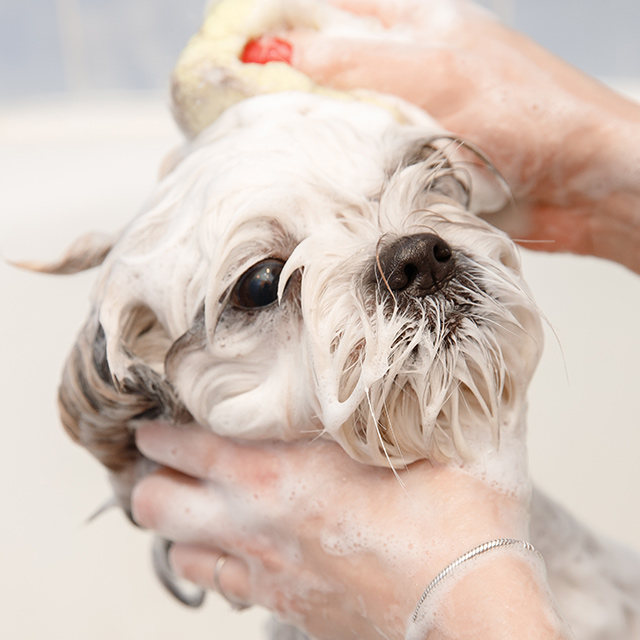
350, 63
429, 77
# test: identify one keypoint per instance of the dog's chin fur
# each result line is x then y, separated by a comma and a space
323, 185
326, 187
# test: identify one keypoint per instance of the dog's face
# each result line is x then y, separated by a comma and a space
311, 266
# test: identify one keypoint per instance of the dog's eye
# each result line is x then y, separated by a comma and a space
258, 287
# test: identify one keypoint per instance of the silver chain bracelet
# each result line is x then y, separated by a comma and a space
483, 548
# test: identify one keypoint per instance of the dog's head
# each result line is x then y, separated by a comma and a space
312, 266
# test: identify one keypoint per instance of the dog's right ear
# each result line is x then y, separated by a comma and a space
86, 252
93, 412
458, 169
99, 411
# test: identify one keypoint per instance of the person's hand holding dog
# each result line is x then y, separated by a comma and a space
566, 144
340, 549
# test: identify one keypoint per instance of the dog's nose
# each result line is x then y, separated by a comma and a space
418, 265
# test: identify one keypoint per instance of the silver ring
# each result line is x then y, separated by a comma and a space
236, 604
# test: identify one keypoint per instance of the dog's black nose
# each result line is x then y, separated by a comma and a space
417, 266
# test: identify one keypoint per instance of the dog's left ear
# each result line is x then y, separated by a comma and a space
171, 161
86, 252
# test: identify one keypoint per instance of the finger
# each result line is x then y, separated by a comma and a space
361, 7
439, 80
386, 12
198, 565
452, 84
190, 449
199, 453
399, 12
180, 508
348, 63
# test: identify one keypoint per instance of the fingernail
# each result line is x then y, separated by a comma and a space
267, 49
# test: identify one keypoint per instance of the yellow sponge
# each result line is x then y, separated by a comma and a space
210, 76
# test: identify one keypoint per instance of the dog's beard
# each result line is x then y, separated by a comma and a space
435, 381
322, 188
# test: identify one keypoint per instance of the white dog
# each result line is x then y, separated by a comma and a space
317, 266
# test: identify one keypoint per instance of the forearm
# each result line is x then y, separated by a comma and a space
582, 184
589, 202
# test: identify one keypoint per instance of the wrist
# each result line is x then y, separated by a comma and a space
444, 512
474, 513
500, 595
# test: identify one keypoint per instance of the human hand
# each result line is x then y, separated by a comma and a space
337, 548
564, 142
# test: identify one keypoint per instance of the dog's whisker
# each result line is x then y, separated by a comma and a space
380, 273
108, 504
532, 241
393, 435
383, 445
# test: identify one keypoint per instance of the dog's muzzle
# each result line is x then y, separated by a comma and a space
416, 266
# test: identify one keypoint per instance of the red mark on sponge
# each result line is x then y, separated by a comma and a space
266, 49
